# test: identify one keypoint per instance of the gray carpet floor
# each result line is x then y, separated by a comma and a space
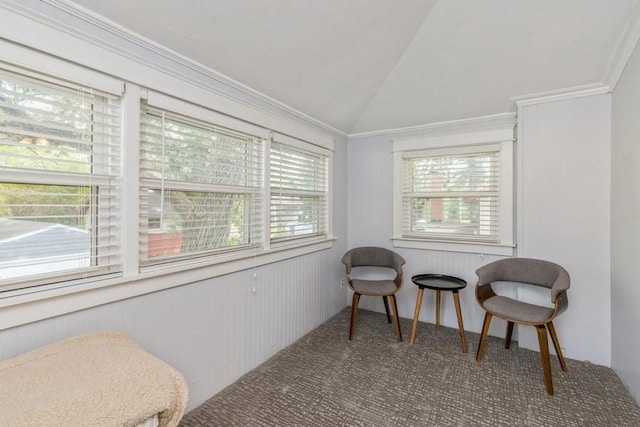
325, 380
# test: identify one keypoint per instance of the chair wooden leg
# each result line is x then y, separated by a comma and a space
483, 337
354, 315
507, 337
386, 308
456, 300
556, 345
416, 314
544, 356
396, 318
438, 310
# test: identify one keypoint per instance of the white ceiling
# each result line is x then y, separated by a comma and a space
366, 65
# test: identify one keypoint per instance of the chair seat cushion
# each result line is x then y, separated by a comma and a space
517, 311
373, 287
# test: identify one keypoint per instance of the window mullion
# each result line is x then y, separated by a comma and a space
267, 193
130, 174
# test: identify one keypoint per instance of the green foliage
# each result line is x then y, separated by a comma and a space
44, 130
57, 204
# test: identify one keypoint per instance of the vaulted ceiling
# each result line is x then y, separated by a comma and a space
366, 65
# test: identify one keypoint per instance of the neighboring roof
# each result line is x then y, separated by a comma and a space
31, 239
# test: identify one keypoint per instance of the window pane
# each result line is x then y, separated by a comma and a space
293, 216
44, 229
179, 150
201, 189
466, 217
49, 128
299, 182
452, 197
60, 166
187, 222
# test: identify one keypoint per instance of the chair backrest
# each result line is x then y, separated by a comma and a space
526, 270
371, 256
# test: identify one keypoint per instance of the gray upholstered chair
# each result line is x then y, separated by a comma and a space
532, 272
385, 288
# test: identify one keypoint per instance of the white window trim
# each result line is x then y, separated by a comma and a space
455, 143
316, 149
19, 307
188, 111
179, 106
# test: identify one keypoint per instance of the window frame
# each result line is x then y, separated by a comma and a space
195, 115
103, 178
462, 142
325, 228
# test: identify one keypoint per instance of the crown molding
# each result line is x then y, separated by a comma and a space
561, 94
250, 96
493, 120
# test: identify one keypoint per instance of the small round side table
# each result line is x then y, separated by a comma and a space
439, 283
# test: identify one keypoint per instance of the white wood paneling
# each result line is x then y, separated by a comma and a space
625, 241
564, 214
215, 330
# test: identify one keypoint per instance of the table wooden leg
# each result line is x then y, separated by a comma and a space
456, 300
416, 314
437, 310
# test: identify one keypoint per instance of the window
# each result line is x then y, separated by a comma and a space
201, 189
107, 187
455, 192
451, 196
109, 190
59, 180
299, 191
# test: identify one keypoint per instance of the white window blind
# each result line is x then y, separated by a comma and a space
59, 180
299, 193
452, 196
201, 189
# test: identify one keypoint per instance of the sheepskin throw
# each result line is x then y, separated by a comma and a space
98, 379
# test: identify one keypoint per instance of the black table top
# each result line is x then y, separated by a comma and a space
439, 282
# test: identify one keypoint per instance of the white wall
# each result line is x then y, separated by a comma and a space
564, 217
564, 213
625, 227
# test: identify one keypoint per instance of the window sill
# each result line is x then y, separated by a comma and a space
30, 305
448, 246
